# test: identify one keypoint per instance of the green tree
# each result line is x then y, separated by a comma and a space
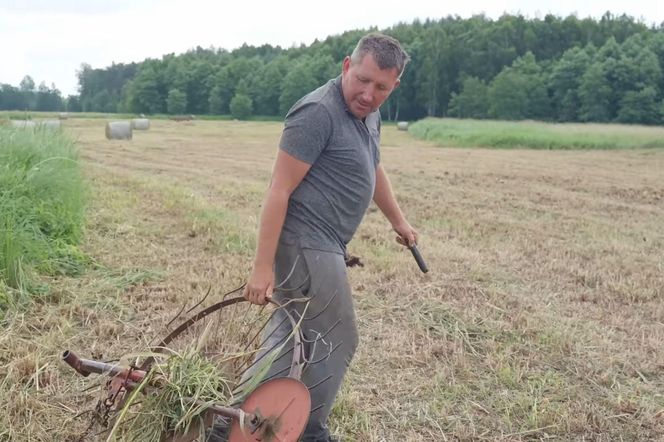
640, 107
176, 103
144, 91
241, 106
564, 83
472, 101
48, 99
27, 84
267, 87
12, 98
595, 95
73, 104
298, 82
224, 83
519, 91
430, 78
508, 99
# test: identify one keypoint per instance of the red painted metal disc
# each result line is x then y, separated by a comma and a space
283, 403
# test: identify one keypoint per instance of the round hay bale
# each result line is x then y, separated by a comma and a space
23, 124
49, 124
63, 115
402, 125
140, 124
118, 130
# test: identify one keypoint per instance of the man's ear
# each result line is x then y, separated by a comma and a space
346, 64
396, 85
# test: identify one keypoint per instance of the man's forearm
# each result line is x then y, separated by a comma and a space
385, 199
269, 230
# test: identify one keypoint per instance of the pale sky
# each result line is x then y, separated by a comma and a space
49, 40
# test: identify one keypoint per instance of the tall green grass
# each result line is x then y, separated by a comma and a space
536, 135
42, 204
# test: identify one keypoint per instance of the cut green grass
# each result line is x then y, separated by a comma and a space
536, 135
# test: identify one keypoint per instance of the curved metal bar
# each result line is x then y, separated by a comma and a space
205, 297
185, 325
298, 347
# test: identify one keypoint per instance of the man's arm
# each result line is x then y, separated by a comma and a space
287, 174
387, 203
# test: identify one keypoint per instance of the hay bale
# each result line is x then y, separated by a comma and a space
118, 130
402, 125
23, 124
49, 124
140, 124
63, 115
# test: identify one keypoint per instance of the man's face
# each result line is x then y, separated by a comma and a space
366, 86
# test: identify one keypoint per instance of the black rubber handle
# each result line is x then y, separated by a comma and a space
420, 262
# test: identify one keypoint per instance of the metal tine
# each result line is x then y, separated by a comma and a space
239, 393
263, 328
280, 285
248, 325
294, 289
325, 379
227, 294
300, 348
201, 301
279, 342
311, 318
177, 315
326, 356
320, 337
317, 408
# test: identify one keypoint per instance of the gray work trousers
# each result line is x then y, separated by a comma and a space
329, 326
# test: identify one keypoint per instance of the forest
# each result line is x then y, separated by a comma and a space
561, 69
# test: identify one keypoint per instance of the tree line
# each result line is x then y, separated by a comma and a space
551, 69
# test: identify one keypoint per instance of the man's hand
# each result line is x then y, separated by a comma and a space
260, 285
407, 235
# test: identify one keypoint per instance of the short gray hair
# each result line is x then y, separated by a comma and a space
386, 51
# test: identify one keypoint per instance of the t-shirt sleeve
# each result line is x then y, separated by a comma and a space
307, 131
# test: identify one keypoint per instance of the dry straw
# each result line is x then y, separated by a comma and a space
119, 130
150, 412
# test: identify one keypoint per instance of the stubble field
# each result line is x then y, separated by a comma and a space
542, 316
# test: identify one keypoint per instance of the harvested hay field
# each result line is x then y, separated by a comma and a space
542, 315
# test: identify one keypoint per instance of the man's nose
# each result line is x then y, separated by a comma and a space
368, 94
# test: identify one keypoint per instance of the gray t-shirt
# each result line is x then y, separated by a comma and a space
326, 208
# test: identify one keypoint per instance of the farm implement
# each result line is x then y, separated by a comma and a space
226, 373
248, 406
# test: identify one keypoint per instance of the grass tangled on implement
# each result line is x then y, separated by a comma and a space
150, 412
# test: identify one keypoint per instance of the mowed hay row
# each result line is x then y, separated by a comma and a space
119, 130
540, 317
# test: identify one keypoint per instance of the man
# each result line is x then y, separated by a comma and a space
326, 173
